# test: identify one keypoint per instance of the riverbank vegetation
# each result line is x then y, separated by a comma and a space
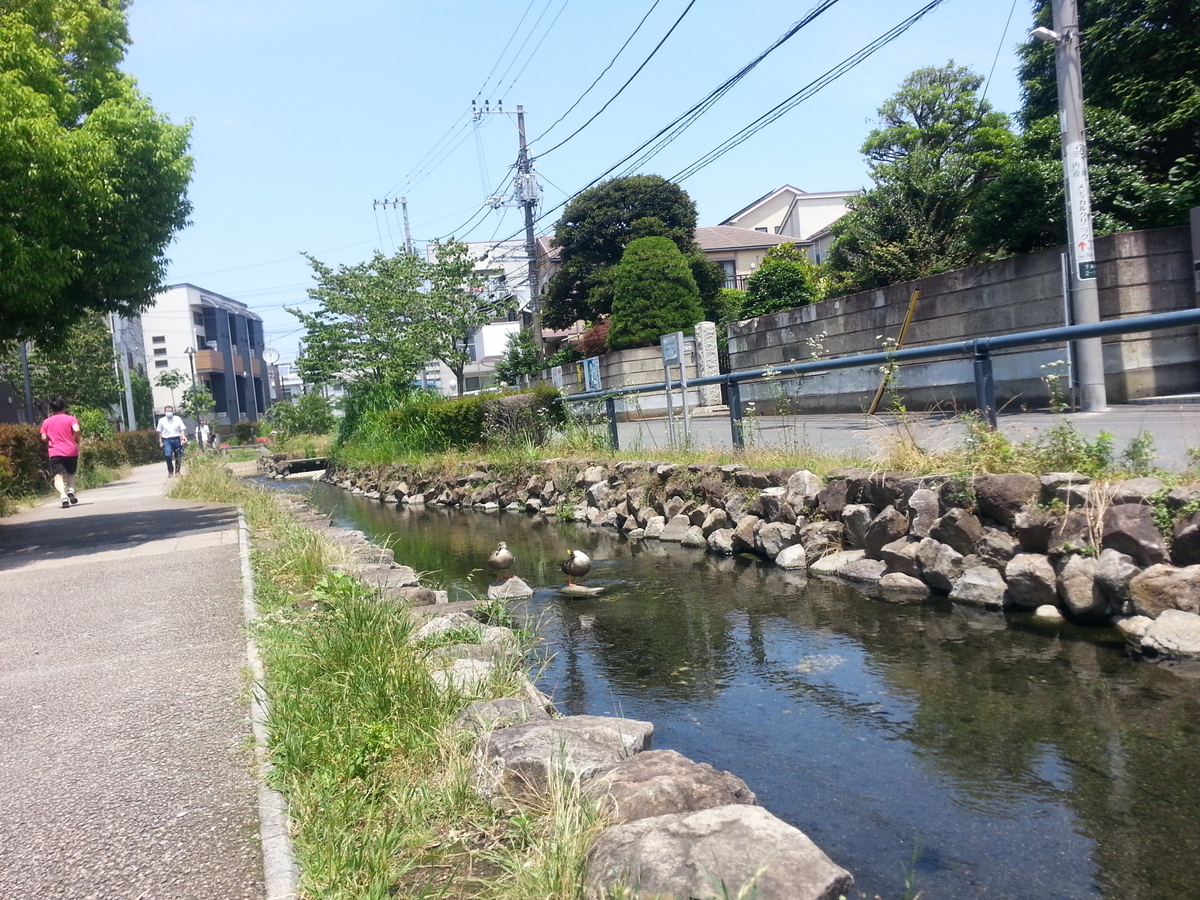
378, 778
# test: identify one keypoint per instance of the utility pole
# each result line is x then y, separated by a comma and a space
527, 195
1085, 299
408, 244
130, 416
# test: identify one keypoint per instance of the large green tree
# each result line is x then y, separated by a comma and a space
939, 145
92, 179
80, 366
365, 327
654, 294
593, 232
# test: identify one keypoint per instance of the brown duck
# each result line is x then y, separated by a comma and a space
501, 560
577, 565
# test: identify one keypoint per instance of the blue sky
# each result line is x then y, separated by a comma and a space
304, 113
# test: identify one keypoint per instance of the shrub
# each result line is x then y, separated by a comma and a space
307, 414
594, 341
564, 356
21, 446
139, 447
522, 417
93, 424
110, 454
654, 293
243, 433
781, 284
520, 358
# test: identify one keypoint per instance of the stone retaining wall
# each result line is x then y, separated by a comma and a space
1060, 545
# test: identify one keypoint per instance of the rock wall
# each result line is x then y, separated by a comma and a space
1060, 545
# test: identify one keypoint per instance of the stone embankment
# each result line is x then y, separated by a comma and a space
679, 828
1125, 553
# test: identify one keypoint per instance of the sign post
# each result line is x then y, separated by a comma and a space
672, 355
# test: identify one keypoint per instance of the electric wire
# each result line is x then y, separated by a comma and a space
604, 72
805, 92
999, 47
483, 87
628, 81
536, 48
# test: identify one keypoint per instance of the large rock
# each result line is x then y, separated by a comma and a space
725, 852
980, 585
694, 537
471, 677
1031, 579
1072, 534
1002, 496
924, 507
772, 537
769, 504
995, 548
1173, 634
1135, 490
958, 529
721, 542
867, 571
1185, 549
663, 782
1130, 529
940, 564
1054, 482
820, 538
717, 518
901, 556
792, 557
803, 487
900, 587
1114, 572
1077, 586
890, 525
1034, 529
1165, 587
655, 526
832, 563
488, 715
744, 533
856, 519
514, 765
510, 589
676, 528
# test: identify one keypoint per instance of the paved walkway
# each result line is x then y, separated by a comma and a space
1174, 427
125, 756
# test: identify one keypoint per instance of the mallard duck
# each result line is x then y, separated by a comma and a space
501, 560
577, 565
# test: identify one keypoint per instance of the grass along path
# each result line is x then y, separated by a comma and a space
377, 779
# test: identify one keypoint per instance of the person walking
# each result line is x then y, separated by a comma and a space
172, 437
202, 435
60, 432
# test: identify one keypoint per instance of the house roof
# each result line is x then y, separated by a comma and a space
794, 191
730, 237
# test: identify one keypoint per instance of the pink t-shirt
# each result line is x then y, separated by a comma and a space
60, 429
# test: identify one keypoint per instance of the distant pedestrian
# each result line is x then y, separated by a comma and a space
60, 431
172, 437
202, 435
214, 435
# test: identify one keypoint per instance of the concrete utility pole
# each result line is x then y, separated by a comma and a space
408, 244
1085, 300
527, 195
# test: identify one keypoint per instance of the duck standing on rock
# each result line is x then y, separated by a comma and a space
501, 561
577, 565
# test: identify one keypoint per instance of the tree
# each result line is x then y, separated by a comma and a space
198, 402
143, 400
594, 231
455, 306
310, 413
79, 367
940, 145
654, 294
365, 329
786, 279
520, 357
170, 380
92, 179
1140, 58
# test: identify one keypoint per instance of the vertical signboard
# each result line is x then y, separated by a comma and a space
591, 373
556, 377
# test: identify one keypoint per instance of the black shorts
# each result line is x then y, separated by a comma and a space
63, 465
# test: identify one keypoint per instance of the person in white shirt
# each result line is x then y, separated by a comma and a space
172, 437
202, 435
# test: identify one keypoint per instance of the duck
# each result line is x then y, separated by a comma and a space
577, 565
501, 560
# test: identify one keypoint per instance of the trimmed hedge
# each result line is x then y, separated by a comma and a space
432, 424
22, 449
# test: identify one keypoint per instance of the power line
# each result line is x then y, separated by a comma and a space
999, 47
621, 90
537, 46
604, 72
507, 44
805, 92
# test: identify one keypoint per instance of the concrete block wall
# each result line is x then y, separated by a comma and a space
1138, 273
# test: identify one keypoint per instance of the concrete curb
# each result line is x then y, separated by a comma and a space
280, 872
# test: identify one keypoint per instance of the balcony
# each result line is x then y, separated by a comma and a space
209, 361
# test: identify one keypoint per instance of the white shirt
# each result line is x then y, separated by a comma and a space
170, 426
202, 433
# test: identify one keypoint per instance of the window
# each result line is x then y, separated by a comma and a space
197, 317
160, 364
160, 351
763, 230
160, 339
200, 342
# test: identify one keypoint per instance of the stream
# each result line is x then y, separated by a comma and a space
924, 747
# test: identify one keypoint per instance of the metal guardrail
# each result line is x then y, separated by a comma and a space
980, 349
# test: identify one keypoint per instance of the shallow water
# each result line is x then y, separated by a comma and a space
989, 760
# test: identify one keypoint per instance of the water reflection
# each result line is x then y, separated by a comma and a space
1009, 761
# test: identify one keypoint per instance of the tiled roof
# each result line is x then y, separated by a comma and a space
729, 237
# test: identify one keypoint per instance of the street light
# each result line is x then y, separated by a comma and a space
191, 355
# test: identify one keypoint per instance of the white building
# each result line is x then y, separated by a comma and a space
803, 216
213, 339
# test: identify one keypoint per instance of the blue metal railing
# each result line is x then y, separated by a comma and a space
979, 349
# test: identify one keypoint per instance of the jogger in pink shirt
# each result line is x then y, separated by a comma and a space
60, 431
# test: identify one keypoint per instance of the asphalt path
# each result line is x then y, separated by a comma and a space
125, 762
1175, 429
